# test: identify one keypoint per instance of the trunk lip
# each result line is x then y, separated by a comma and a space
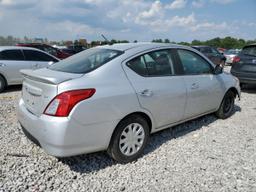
55, 78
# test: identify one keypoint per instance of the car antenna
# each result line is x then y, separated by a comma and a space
108, 42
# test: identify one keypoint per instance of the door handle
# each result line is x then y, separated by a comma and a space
194, 86
2, 65
146, 93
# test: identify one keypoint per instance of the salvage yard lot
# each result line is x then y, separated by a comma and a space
206, 154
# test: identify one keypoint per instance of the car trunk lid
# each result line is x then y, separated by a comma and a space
41, 86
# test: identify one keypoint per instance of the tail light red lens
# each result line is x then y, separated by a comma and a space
63, 103
236, 59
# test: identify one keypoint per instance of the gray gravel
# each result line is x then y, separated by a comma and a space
206, 154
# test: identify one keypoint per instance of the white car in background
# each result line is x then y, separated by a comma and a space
13, 59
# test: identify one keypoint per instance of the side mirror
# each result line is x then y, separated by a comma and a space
218, 69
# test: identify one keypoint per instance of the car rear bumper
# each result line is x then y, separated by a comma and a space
62, 137
245, 77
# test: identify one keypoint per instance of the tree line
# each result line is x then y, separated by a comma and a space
227, 42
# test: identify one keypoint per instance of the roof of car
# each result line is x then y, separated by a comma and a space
199, 46
16, 48
250, 45
146, 45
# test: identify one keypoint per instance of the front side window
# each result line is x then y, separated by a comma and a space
156, 63
14, 55
86, 61
193, 64
31, 55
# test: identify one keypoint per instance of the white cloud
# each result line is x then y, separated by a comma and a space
167, 24
222, 1
95, 2
177, 4
126, 19
210, 26
198, 3
16, 2
154, 10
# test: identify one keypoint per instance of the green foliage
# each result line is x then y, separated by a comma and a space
227, 42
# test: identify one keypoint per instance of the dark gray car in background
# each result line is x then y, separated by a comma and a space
212, 53
244, 65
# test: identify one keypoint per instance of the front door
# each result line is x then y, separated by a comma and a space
203, 86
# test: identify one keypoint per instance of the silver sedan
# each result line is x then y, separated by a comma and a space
113, 97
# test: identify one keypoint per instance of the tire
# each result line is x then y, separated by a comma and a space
126, 148
2, 84
227, 106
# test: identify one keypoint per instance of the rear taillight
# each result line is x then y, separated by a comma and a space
236, 59
63, 103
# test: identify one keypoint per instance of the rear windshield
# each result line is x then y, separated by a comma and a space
86, 61
250, 51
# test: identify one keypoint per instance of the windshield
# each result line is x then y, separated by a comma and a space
250, 50
86, 61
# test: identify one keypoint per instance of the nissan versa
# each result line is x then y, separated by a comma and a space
113, 97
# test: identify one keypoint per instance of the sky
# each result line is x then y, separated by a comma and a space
141, 20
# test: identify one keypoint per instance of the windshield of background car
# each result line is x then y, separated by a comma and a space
231, 52
86, 61
250, 51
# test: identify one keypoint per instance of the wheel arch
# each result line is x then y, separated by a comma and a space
235, 91
139, 113
6, 82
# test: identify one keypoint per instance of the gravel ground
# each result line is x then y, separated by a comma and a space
206, 154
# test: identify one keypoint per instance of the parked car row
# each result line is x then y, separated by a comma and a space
112, 97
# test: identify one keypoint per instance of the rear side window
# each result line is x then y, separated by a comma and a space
156, 63
193, 64
86, 61
251, 51
14, 55
31, 55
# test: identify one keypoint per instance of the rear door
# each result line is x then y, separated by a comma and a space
159, 90
38, 59
204, 91
12, 61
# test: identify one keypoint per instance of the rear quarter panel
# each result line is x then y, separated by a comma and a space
113, 100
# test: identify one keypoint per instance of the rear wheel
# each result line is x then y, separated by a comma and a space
227, 106
2, 84
129, 139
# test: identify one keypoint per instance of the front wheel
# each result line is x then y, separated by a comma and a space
227, 106
129, 139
